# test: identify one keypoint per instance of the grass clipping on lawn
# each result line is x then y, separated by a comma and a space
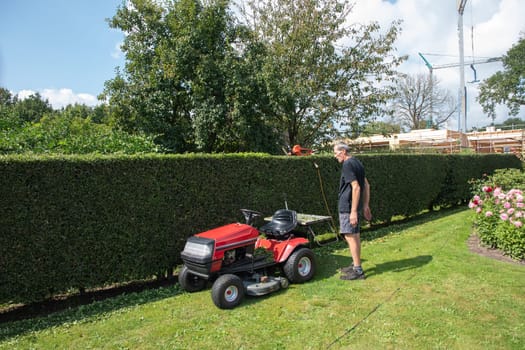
424, 289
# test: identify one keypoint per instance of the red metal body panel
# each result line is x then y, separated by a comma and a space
281, 249
229, 237
237, 235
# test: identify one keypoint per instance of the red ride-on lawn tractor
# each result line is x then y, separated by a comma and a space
242, 260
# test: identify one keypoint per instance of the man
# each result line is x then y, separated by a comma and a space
354, 197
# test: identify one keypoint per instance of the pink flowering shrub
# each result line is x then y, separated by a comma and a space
500, 216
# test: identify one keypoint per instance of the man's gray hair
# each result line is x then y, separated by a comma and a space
341, 146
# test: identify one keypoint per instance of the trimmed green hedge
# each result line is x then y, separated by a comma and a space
87, 221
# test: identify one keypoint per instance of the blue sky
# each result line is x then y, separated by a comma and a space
49, 45
65, 50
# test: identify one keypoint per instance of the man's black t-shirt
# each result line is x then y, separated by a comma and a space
352, 170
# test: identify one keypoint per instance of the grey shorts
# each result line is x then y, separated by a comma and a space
345, 226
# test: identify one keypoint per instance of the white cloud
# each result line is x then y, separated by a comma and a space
431, 27
23, 94
61, 97
117, 52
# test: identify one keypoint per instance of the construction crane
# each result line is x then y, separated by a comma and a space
431, 67
463, 95
462, 88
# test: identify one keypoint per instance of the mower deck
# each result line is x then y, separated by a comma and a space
272, 284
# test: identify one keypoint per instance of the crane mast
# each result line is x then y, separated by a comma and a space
462, 88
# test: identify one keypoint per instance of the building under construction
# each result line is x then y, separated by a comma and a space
446, 141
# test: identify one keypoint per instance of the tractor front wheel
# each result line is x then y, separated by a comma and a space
300, 266
190, 282
227, 291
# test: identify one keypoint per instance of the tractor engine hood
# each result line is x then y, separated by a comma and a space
231, 236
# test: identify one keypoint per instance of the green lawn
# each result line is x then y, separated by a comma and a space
424, 290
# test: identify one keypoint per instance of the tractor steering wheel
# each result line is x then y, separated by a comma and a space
250, 215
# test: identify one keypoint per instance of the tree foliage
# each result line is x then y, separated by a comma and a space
32, 108
57, 134
198, 78
75, 129
419, 103
510, 124
508, 86
185, 81
385, 128
150, 95
323, 74
8, 119
288, 72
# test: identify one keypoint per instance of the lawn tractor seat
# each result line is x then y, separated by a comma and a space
283, 221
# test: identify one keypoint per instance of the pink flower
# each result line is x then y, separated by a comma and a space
520, 205
510, 211
504, 217
488, 214
487, 189
506, 205
474, 202
518, 223
478, 210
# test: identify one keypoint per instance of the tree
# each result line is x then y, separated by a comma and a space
7, 118
228, 101
419, 103
32, 126
15, 112
507, 86
245, 126
510, 123
150, 95
32, 108
184, 80
6, 98
322, 74
198, 80
66, 133
381, 128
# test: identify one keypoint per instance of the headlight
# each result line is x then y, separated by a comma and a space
198, 248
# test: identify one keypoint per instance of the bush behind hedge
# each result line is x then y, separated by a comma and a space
87, 221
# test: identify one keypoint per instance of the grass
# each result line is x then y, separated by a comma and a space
424, 290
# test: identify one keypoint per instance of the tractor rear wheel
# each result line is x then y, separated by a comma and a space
300, 266
227, 291
190, 282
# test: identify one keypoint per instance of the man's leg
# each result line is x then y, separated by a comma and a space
356, 271
354, 244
